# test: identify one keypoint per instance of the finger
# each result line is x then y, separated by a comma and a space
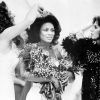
65, 76
66, 79
41, 10
65, 82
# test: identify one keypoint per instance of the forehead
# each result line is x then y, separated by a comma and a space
47, 25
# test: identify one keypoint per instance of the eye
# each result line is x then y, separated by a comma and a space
46, 29
52, 30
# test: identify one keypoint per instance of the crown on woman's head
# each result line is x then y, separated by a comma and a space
44, 13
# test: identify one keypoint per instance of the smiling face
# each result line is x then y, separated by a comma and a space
47, 32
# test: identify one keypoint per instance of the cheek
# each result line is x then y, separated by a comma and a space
53, 34
42, 36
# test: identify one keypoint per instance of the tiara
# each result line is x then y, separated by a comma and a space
44, 13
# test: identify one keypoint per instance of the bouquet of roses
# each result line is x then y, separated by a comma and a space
42, 65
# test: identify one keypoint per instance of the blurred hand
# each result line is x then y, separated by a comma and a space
23, 83
55, 82
95, 34
68, 77
65, 78
71, 77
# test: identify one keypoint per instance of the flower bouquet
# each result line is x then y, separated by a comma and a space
42, 65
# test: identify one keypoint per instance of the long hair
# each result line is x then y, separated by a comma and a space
34, 31
6, 20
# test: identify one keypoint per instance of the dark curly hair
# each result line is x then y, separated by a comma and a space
34, 31
96, 19
6, 20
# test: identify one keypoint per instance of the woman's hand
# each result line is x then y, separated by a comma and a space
95, 33
71, 76
55, 82
68, 77
64, 80
19, 81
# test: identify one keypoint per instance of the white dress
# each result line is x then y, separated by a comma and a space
34, 94
72, 91
7, 64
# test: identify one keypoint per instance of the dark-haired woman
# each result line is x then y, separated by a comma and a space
86, 53
42, 58
8, 56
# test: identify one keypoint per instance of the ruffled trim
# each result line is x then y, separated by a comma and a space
78, 49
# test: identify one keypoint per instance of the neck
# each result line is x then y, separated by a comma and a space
44, 44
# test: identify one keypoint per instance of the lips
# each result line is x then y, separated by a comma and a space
50, 37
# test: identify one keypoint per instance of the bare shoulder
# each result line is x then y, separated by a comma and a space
60, 49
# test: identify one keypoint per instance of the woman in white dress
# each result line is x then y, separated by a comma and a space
44, 33
8, 57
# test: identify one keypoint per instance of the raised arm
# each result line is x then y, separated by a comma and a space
13, 31
80, 34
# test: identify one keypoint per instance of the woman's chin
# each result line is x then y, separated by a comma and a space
48, 41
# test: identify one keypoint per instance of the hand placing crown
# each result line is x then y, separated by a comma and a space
43, 12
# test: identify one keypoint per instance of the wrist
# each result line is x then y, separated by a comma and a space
28, 22
23, 83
